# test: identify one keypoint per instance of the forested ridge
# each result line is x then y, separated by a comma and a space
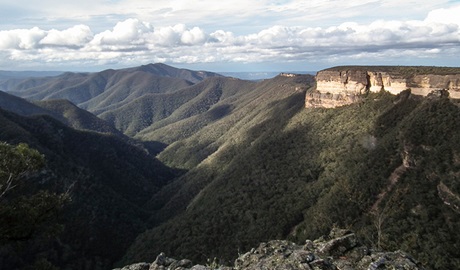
105, 180
216, 165
375, 167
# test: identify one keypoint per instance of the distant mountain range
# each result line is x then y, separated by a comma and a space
247, 75
261, 75
201, 165
4, 75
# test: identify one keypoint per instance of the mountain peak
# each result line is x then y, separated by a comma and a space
161, 69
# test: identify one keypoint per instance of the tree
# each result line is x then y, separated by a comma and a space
15, 163
28, 213
391, 205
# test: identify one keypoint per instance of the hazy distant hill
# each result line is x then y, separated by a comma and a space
157, 110
164, 70
62, 110
109, 89
26, 74
261, 75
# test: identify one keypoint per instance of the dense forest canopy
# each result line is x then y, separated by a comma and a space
210, 166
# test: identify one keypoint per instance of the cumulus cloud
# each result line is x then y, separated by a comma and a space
130, 31
78, 35
133, 41
35, 38
21, 38
176, 35
193, 36
134, 34
444, 16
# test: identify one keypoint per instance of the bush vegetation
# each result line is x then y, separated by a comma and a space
260, 167
108, 180
300, 172
27, 215
404, 71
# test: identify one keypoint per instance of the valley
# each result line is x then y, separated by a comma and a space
201, 166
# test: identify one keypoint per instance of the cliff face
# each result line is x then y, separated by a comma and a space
345, 85
424, 84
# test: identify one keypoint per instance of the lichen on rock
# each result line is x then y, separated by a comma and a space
339, 250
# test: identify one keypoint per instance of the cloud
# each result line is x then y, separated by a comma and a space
78, 35
130, 31
35, 38
444, 15
133, 34
176, 35
133, 41
193, 36
21, 38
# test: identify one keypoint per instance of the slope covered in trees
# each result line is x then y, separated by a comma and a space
102, 91
386, 168
27, 214
75, 117
107, 180
62, 110
259, 167
238, 106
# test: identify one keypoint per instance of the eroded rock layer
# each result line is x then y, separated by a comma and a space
340, 86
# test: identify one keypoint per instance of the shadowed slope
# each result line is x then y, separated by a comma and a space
225, 122
108, 179
296, 173
62, 110
19, 105
76, 117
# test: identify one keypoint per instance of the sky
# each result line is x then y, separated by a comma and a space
227, 36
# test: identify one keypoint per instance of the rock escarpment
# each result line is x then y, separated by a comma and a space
340, 86
339, 250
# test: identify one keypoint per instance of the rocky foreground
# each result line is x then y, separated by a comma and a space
339, 250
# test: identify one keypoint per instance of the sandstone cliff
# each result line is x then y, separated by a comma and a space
340, 86
339, 250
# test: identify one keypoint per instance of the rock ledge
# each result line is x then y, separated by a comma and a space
339, 250
345, 85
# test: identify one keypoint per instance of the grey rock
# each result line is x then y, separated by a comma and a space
309, 245
161, 259
322, 265
199, 267
338, 246
137, 266
182, 264
392, 260
339, 250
